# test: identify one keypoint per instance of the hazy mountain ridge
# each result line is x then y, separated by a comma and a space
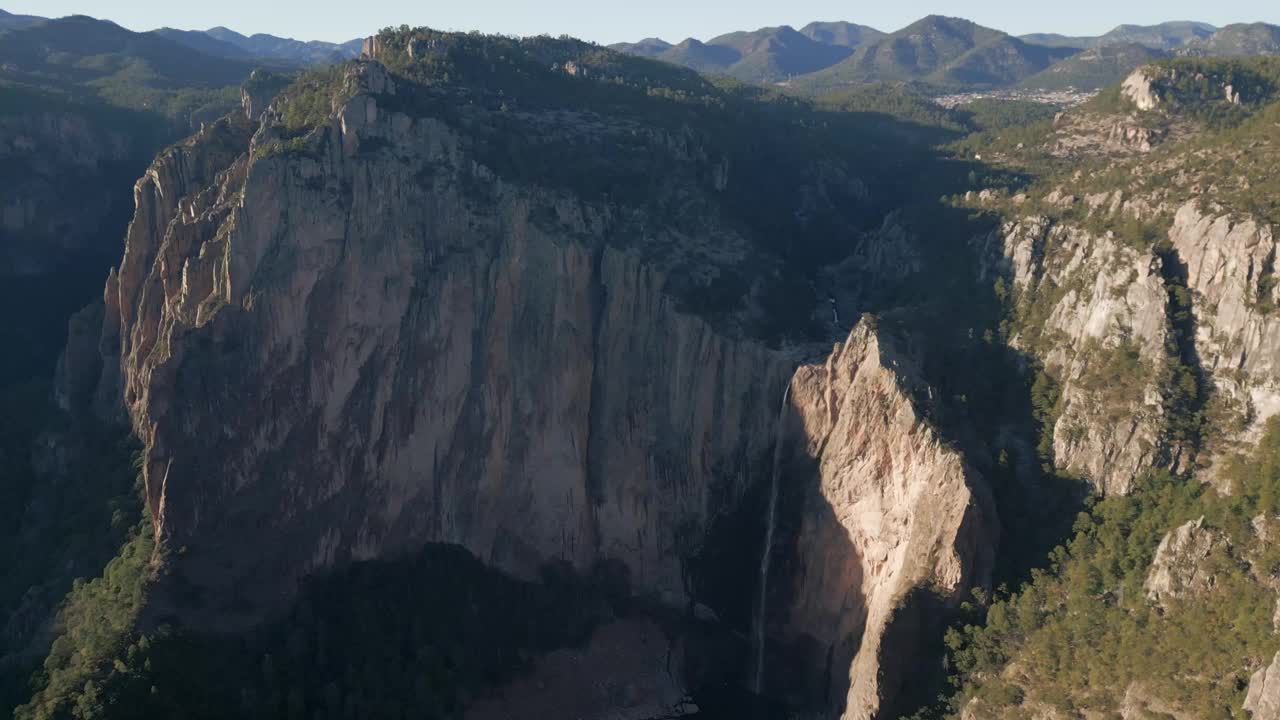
1113, 56
223, 42
310, 52
943, 51
648, 47
1162, 36
205, 43
1003, 61
951, 53
1096, 67
9, 20
84, 57
845, 34
1243, 39
766, 55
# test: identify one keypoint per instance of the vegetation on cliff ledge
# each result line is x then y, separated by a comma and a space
1083, 633
97, 638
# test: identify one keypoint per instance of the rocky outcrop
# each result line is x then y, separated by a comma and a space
1181, 564
259, 90
1172, 87
893, 510
1230, 265
1262, 700
1081, 296
1139, 704
1140, 89
1092, 312
1083, 134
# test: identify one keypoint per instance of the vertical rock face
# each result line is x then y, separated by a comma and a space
375, 343
1263, 698
1232, 275
890, 509
1094, 316
375, 362
1082, 299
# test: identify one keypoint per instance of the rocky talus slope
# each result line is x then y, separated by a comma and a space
359, 340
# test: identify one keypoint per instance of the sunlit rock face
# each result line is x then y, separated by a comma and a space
1263, 698
1097, 299
894, 524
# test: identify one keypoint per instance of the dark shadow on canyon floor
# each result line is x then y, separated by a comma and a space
435, 633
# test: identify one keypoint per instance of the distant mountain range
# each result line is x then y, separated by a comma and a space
1239, 40
269, 46
224, 43
941, 51
1165, 36
945, 53
1095, 67
82, 52
949, 52
770, 54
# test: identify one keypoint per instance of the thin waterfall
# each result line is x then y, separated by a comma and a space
766, 555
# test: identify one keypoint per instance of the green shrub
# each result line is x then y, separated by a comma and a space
95, 626
1082, 631
312, 99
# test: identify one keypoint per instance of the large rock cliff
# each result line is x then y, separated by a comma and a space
424, 366
1087, 305
1230, 266
1092, 312
359, 340
890, 513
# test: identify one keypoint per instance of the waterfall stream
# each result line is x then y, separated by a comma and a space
766, 554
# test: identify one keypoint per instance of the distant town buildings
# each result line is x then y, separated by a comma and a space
1070, 97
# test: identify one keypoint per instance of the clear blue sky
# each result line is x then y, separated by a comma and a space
609, 21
